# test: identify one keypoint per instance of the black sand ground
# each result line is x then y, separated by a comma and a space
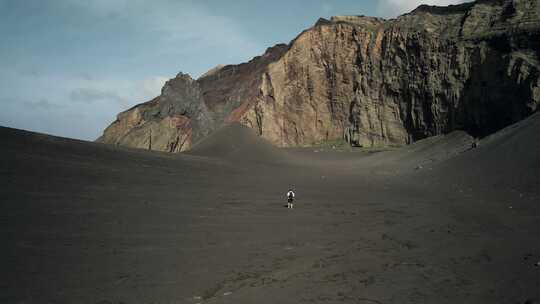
435, 222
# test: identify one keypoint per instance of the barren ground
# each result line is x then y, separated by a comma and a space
431, 223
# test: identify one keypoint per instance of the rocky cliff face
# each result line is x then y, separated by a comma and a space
170, 122
472, 67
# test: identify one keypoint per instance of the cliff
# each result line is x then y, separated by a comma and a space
472, 67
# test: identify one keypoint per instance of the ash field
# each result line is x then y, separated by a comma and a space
434, 222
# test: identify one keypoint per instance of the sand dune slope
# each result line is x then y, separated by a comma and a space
239, 143
509, 158
426, 152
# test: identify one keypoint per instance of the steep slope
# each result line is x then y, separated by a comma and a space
421, 154
507, 160
472, 67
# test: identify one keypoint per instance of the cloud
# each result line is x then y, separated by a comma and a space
42, 104
93, 95
123, 92
29, 105
151, 86
393, 8
90, 95
176, 30
103, 56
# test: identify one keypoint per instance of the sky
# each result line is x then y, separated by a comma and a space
68, 67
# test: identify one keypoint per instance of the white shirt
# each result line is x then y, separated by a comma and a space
289, 193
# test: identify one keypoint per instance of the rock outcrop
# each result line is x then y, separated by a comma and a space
472, 67
170, 122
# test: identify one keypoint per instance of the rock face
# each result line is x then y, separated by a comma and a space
472, 67
170, 122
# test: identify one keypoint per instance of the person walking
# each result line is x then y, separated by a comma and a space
290, 199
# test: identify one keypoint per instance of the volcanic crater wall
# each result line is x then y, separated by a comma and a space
472, 67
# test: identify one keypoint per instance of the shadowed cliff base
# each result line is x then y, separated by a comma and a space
435, 222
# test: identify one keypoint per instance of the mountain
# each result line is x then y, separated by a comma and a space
373, 82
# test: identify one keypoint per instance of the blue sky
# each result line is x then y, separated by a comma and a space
67, 67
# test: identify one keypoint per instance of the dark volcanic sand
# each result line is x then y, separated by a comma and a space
431, 223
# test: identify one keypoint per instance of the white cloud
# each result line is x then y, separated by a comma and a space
42, 104
393, 8
90, 95
151, 86
185, 28
122, 92
119, 54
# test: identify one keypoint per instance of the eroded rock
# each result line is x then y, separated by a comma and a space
370, 81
